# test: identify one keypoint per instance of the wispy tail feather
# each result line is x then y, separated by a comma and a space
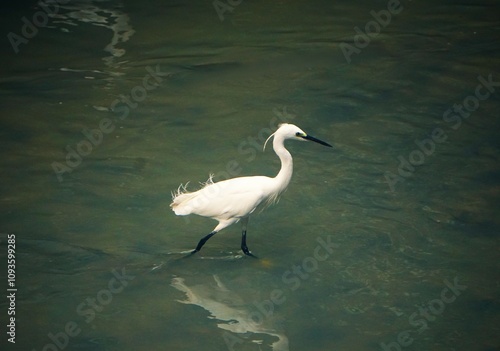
182, 197
179, 200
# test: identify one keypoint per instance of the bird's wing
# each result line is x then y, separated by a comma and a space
237, 197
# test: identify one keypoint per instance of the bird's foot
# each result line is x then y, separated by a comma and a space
247, 252
190, 253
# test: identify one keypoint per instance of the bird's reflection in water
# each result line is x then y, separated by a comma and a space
232, 312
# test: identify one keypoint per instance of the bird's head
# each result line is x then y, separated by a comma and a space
291, 131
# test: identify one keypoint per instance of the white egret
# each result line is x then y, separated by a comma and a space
232, 200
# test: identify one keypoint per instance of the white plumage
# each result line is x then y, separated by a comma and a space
231, 200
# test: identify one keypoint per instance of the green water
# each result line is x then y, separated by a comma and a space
348, 260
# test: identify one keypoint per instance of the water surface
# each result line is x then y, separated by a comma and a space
178, 94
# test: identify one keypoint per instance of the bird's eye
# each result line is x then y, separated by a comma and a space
298, 134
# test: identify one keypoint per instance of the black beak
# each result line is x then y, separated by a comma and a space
308, 137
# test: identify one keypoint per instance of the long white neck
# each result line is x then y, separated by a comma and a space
285, 173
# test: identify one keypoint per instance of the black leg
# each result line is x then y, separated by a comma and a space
202, 242
244, 247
